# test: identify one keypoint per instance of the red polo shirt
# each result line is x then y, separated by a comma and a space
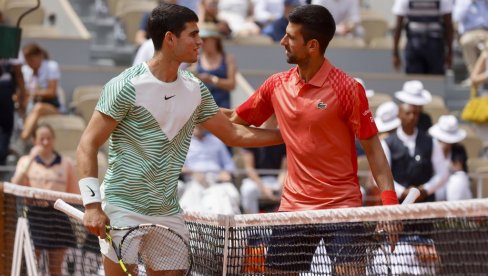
319, 121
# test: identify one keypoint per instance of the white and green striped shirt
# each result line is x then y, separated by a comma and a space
149, 145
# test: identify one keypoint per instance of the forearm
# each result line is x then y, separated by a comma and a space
87, 162
227, 84
244, 136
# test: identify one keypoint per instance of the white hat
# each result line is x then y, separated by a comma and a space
369, 92
387, 117
447, 130
414, 93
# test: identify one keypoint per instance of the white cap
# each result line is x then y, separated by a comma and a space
447, 130
413, 92
386, 118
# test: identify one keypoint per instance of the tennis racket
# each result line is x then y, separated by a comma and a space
144, 248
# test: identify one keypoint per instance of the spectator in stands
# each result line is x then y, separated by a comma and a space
413, 93
268, 11
277, 28
471, 17
11, 87
239, 15
429, 31
346, 15
262, 185
148, 112
44, 168
387, 121
216, 68
320, 110
142, 35
448, 133
415, 158
41, 76
208, 172
479, 75
209, 12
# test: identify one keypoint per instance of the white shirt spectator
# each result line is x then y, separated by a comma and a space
343, 11
400, 7
440, 171
145, 52
267, 11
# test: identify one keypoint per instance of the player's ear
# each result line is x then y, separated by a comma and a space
169, 38
313, 45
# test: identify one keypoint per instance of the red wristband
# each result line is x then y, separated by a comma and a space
389, 198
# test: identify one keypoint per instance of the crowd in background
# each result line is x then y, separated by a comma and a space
432, 151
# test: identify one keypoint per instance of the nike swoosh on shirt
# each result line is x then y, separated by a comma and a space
167, 98
93, 193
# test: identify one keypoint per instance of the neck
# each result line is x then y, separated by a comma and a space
47, 157
408, 130
309, 68
163, 68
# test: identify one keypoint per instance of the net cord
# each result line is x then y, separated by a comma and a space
461, 208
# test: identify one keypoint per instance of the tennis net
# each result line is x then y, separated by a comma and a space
442, 238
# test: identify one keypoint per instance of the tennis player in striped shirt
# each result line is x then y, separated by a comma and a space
148, 113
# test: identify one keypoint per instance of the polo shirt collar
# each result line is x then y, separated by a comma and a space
319, 78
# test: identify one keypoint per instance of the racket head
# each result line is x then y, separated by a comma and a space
153, 247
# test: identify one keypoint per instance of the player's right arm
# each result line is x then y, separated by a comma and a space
96, 133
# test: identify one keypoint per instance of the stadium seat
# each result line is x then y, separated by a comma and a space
68, 129
84, 90
435, 112
479, 166
40, 31
86, 105
472, 142
374, 27
15, 8
130, 14
377, 99
253, 40
347, 42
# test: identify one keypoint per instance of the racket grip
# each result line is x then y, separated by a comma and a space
411, 196
68, 209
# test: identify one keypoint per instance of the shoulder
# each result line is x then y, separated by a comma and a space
124, 79
189, 78
342, 82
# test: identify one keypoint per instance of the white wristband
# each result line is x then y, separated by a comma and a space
90, 190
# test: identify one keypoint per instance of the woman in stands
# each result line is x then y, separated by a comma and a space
44, 168
41, 77
450, 136
216, 68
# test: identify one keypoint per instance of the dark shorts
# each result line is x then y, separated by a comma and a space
50, 228
292, 248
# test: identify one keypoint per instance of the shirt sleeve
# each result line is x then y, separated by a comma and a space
400, 7
53, 71
259, 107
207, 107
441, 172
360, 118
116, 99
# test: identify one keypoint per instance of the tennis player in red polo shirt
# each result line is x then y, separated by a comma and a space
320, 110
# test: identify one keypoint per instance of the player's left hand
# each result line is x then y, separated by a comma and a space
391, 231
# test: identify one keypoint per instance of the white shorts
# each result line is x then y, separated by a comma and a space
122, 218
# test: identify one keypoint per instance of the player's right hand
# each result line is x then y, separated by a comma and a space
95, 220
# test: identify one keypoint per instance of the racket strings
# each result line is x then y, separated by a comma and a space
154, 248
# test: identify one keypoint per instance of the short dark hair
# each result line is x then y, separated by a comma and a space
168, 18
317, 23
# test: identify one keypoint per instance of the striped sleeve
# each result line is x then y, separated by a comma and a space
116, 99
207, 107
